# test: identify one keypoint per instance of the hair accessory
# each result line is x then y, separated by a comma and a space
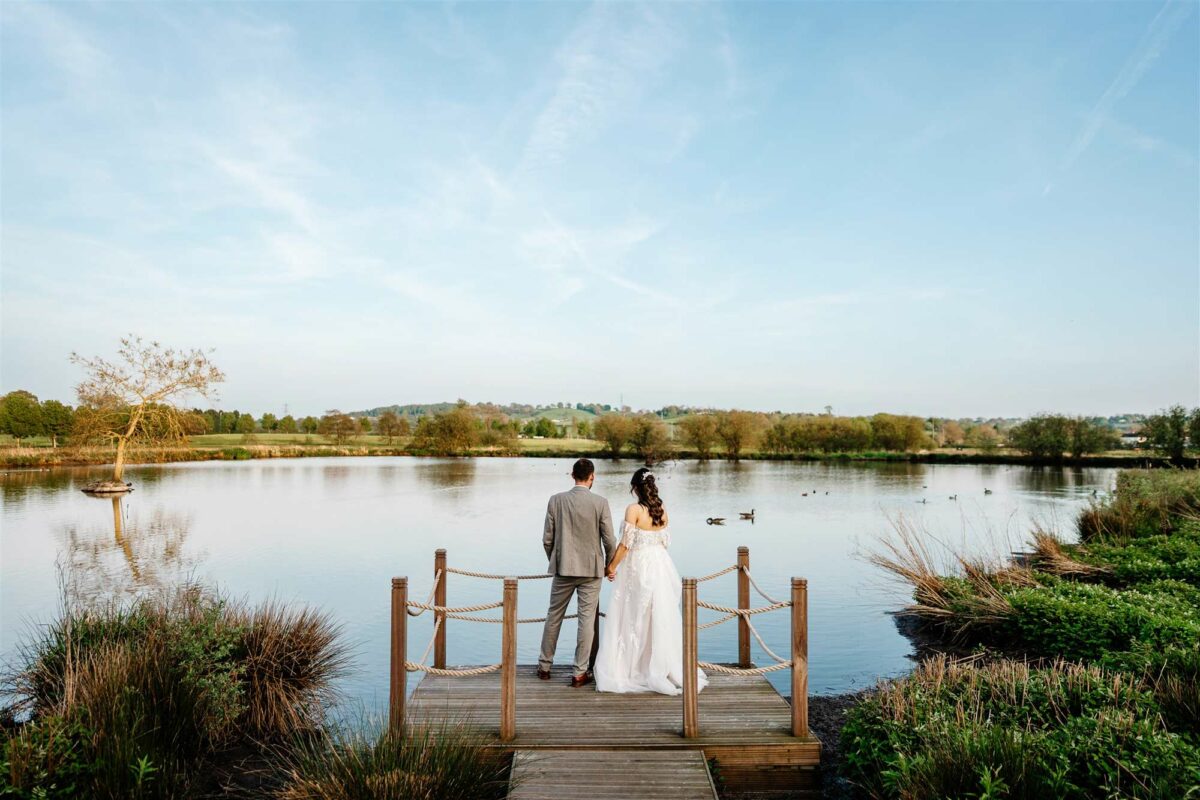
647, 474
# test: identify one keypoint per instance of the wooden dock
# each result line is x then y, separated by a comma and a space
611, 775
567, 741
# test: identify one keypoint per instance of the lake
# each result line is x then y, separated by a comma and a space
332, 532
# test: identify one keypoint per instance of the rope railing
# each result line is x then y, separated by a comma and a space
742, 612
492, 576
403, 608
437, 580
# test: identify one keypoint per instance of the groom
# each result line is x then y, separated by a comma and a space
579, 542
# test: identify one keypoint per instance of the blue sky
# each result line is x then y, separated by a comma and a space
968, 209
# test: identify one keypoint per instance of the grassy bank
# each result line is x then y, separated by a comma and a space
236, 447
192, 696
1086, 681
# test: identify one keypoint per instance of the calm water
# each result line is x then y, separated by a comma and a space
332, 532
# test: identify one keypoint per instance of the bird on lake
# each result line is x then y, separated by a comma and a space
747, 514
804, 494
715, 520
987, 491
923, 501
953, 497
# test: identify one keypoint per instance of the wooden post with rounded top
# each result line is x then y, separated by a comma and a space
439, 599
399, 682
743, 583
800, 657
508, 664
691, 727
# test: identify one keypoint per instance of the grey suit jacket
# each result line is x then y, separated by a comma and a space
578, 535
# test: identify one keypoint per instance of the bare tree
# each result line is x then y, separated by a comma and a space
135, 398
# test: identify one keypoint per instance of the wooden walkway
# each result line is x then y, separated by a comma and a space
744, 723
611, 775
569, 741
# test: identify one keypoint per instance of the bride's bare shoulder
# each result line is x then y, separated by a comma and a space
633, 513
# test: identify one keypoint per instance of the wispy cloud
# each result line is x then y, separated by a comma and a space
606, 61
1168, 20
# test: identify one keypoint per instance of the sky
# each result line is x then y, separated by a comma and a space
976, 209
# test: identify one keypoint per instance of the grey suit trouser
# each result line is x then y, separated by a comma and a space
562, 588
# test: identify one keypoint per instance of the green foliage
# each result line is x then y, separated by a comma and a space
429, 763
1167, 431
1087, 621
699, 431
454, 432
1008, 730
650, 438
1174, 556
1146, 503
21, 415
615, 430
1050, 435
739, 430
162, 686
47, 760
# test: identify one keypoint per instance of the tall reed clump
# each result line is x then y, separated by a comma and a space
1146, 503
431, 762
1006, 729
134, 700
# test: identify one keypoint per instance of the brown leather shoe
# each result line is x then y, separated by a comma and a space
581, 680
544, 674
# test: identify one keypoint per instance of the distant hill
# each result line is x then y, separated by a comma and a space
521, 411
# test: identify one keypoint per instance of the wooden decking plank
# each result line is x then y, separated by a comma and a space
609, 775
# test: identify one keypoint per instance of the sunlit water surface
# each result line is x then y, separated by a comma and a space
332, 533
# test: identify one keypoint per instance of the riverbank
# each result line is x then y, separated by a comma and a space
234, 448
1085, 674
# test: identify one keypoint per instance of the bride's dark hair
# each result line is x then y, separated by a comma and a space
647, 494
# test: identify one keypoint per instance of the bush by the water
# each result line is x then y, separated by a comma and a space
134, 700
1123, 720
1005, 729
1146, 503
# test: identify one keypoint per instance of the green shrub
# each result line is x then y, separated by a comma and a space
430, 763
47, 759
1146, 503
1173, 556
1086, 621
1008, 730
166, 684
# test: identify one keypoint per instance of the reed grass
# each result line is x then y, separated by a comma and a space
431, 762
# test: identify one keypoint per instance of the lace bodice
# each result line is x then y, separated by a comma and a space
634, 537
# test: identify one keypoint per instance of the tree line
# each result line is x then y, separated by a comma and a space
1172, 432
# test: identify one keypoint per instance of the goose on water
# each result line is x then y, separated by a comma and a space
746, 514
715, 520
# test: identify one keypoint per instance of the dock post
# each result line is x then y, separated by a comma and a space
800, 657
399, 682
743, 562
439, 599
691, 728
508, 664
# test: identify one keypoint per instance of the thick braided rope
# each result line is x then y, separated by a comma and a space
499, 620
447, 610
717, 622
741, 611
436, 627
450, 673
432, 592
763, 644
491, 576
758, 589
736, 671
725, 571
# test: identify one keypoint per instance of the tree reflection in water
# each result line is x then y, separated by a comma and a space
133, 556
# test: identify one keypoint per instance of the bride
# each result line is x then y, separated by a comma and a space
641, 644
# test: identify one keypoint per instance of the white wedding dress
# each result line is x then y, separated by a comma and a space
641, 637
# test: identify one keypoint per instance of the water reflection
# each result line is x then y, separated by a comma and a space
139, 556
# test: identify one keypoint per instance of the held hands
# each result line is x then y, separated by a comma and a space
610, 572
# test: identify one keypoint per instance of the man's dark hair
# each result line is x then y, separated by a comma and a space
583, 469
